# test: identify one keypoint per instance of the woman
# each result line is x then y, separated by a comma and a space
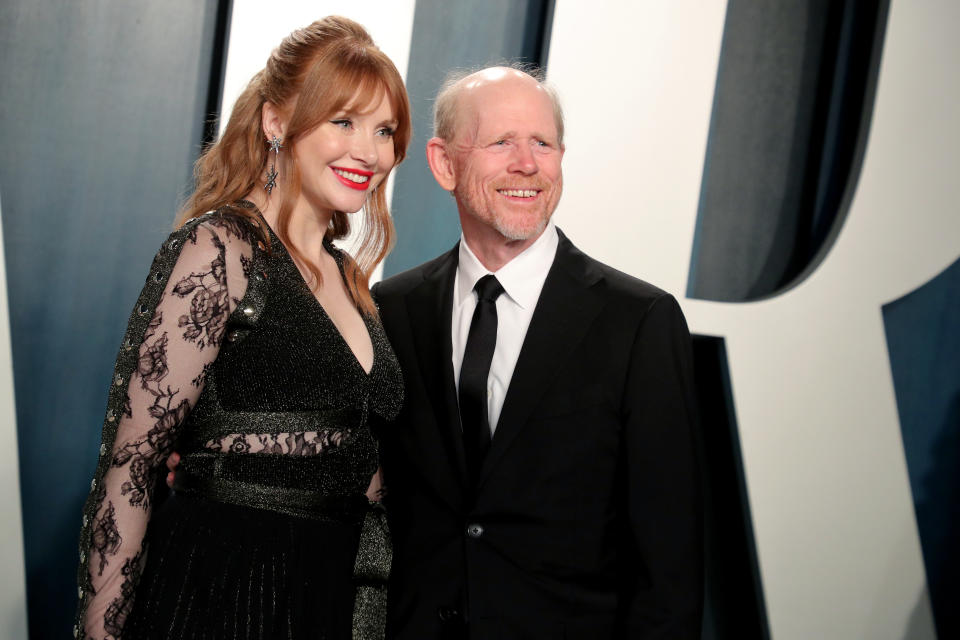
255, 349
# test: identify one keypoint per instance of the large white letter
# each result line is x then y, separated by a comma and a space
830, 497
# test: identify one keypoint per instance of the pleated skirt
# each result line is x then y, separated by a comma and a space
223, 572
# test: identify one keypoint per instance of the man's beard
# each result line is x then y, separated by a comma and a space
519, 232
511, 226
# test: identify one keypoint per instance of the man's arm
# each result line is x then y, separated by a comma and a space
663, 589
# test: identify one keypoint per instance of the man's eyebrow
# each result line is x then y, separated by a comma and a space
537, 135
545, 135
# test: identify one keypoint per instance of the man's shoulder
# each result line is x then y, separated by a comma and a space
617, 285
624, 284
634, 300
403, 282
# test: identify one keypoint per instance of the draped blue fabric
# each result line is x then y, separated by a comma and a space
102, 116
791, 114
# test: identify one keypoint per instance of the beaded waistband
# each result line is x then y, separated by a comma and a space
205, 423
214, 477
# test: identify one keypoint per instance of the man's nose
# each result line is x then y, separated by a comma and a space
524, 161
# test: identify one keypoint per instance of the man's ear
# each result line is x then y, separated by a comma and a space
441, 163
272, 121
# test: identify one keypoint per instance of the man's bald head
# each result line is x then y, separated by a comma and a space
446, 108
498, 151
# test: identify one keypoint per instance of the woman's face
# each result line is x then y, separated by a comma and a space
344, 159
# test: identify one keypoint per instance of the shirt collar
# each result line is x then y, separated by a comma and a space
522, 278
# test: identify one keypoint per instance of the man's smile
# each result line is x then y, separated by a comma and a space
519, 193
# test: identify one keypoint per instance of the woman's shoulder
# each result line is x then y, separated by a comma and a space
224, 240
229, 223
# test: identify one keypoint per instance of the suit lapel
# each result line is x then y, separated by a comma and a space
430, 308
567, 306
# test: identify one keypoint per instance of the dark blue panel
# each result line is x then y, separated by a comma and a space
791, 113
101, 119
734, 602
923, 338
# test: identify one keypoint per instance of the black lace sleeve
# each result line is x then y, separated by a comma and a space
173, 335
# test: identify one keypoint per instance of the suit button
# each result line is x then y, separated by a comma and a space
474, 530
446, 614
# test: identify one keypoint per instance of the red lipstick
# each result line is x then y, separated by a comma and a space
359, 186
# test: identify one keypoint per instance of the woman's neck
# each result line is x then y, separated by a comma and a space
307, 225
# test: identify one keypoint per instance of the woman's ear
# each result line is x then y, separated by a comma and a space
272, 121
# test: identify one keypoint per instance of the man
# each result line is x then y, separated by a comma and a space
541, 475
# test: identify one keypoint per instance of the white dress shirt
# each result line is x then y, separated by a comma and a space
522, 279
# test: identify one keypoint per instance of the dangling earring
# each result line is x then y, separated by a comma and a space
275, 146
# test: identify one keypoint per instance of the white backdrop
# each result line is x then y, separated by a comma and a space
833, 514
13, 586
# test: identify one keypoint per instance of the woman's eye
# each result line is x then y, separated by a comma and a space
386, 132
343, 123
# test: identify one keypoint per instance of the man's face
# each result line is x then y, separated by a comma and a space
506, 155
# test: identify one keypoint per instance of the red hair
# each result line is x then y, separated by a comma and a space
314, 73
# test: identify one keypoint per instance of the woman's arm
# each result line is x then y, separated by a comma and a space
173, 337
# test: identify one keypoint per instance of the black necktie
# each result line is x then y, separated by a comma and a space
474, 372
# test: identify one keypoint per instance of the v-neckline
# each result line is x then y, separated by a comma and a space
274, 238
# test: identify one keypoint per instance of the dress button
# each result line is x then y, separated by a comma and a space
446, 614
248, 311
111, 416
232, 336
474, 530
118, 380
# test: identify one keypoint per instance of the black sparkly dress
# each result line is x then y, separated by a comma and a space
230, 360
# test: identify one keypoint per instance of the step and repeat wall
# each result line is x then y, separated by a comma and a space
788, 172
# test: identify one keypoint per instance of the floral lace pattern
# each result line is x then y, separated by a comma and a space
210, 303
309, 443
119, 609
106, 536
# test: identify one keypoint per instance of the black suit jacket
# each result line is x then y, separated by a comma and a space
586, 522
